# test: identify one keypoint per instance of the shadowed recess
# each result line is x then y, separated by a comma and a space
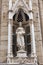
20, 16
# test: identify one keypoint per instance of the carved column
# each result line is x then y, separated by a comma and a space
9, 33
32, 28
33, 45
9, 41
30, 10
33, 41
10, 4
30, 4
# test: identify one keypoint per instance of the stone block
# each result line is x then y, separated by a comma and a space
3, 60
36, 29
38, 36
4, 37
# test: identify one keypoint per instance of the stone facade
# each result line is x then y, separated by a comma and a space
38, 25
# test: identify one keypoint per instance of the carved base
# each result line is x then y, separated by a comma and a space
21, 60
21, 53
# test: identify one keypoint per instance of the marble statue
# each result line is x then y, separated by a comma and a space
20, 37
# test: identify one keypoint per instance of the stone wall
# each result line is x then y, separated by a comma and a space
38, 36
41, 15
0, 22
0, 19
4, 31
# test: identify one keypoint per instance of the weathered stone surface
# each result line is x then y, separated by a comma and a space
16, 64
38, 36
37, 19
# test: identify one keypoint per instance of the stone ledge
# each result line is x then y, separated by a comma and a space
16, 64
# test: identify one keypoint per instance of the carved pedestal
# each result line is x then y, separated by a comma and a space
21, 53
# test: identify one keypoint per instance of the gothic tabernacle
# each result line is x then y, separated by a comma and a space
21, 32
